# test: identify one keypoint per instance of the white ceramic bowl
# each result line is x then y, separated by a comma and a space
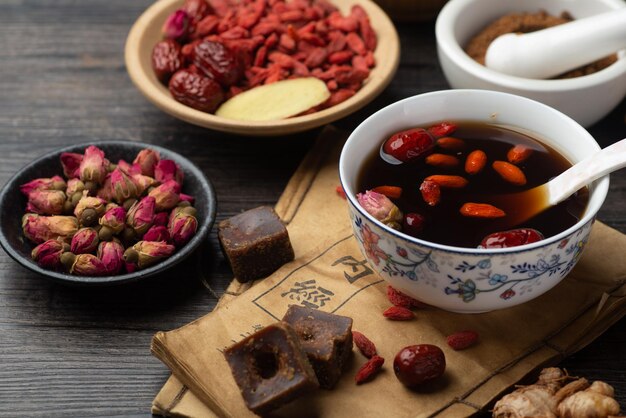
469, 279
586, 99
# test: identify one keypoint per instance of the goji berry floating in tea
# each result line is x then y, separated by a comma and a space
454, 178
226, 47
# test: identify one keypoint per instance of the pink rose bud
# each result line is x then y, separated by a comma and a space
111, 253
147, 159
39, 229
70, 161
166, 195
122, 186
52, 183
182, 227
168, 170
83, 264
48, 254
106, 190
176, 25
46, 202
186, 198
143, 183
157, 233
113, 222
74, 186
147, 253
89, 209
93, 167
141, 215
130, 267
161, 219
381, 208
84, 241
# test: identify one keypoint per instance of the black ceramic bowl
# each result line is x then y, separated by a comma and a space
13, 204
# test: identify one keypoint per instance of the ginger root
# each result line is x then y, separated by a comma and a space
553, 397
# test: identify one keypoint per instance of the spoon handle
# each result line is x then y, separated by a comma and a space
609, 159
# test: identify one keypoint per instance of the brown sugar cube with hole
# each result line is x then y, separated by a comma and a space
271, 368
326, 338
255, 242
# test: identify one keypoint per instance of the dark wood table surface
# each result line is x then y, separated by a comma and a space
85, 352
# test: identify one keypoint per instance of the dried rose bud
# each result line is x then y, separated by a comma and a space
74, 190
92, 167
157, 233
89, 209
106, 191
48, 254
42, 228
186, 198
83, 264
147, 159
111, 253
141, 215
113, 222
182, 227
122, 186
46, 202
186, 209
381, 208
166, 195
131, 267
176, 25
168, 170
52, 183
130, 169
143, 183
161, 219
70, 161
84, 241
147, 253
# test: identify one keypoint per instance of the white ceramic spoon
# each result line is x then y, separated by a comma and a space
553, 51
558, 189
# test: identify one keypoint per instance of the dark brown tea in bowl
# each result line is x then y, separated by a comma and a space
443, 184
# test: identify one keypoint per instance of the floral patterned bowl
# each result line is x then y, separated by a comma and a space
459, 279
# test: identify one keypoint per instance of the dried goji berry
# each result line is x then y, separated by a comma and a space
355, 43
462, 339
518, 154
316, 57
261, 55
346, 24
451, 143
368, 34
392, 192
442, 160
340, 57
195, 90
431, 192
291, 16
220, 7
510, 173
398, 298
481, 210
340, 191
369, 369
236, 32
271, 41
287, 43
364, 344
166, 59
338, 96
196, 10
475, 162
336, 42
398, 313
206, 26
448, 181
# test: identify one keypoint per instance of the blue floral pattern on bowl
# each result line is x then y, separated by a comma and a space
488, 280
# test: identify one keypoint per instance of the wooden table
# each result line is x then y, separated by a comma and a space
85, 352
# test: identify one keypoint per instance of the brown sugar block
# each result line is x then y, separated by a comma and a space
271, 368
255, 242
326, 338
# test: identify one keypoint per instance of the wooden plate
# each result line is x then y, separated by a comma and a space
146, 32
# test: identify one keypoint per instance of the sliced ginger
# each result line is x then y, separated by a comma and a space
274, 101
553, 397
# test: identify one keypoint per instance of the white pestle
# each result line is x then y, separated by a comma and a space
553, 51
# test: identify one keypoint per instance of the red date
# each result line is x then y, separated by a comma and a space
417, 364
512, 238
409, 145
218, 62
196, 90
166, 59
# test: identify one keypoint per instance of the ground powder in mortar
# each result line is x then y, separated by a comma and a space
524, 23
